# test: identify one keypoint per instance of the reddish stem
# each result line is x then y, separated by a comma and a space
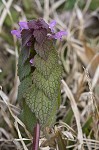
36, 137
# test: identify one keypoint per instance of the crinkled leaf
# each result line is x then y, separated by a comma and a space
28, 117
25, 84
46, 67
49, 86
40, 35
24, 70
40, 105
44, 48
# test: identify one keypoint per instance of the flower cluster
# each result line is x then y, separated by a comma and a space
37, 29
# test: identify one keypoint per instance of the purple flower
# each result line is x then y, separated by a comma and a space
32, 61
58, 35
51, 25
23, 25
17, 33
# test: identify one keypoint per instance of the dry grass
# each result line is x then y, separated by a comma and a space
79, 53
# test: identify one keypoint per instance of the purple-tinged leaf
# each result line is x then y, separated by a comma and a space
43, 24
23, 25
17, 33
36, 137
26, 54
40, 23
43, 49
26, 35
32, 24
39, 50
40, 35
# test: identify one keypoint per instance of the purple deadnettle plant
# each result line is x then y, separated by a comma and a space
39, 89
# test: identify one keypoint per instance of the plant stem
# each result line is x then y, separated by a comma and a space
36, 137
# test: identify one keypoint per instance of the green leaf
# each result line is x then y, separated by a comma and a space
24, 55
46, 67
44, 109
26, 83
28, 117
24, 70
38, 103
49, 86
24, 67
68, 117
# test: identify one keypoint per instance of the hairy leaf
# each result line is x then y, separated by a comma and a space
24, 67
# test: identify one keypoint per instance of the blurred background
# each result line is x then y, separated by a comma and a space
78, 115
